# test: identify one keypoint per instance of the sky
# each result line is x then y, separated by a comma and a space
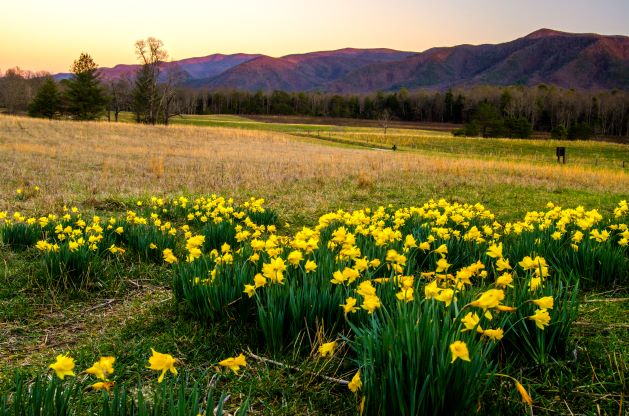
50, 35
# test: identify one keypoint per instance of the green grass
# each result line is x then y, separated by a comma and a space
137, 311
582, 153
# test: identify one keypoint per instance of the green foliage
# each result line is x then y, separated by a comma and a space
305, 303
528, 343
469, 130
488, 121
52, 397
406, 362
266, 216
212, 298
85, 96
580, 131
520, 128
139, 238
71, 269
20, 235
47, 102
143, 95
217, 234
559, 132
42, 397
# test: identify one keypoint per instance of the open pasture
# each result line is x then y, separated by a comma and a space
126, 239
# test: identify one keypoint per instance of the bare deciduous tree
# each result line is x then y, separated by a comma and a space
384, 119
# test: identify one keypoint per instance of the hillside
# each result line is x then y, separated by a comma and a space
570, 60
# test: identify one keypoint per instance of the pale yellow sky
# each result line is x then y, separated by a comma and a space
49, 35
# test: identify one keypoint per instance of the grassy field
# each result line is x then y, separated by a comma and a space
302, 171
438, 142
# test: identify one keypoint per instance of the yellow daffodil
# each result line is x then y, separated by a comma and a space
234, 363
162, 362
327, 349
63, 366
459, 350
494, 334
541, 318
169, 257
103, 385
102, 368
544, 303
355, 384
349, 306
310, 266
471, 321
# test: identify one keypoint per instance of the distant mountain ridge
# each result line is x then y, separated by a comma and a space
570, 60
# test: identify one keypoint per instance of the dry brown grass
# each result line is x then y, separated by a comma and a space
77, 162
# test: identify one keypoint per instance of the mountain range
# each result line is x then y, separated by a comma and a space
569, 60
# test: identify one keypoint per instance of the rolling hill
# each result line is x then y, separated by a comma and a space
570, 60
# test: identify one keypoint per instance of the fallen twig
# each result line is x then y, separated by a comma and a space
607, 300
101, 305
297, 369
602, 325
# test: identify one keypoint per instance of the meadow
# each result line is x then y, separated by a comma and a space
127, 238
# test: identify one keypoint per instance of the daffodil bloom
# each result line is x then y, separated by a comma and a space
371, 303
541, 318
366, 289
310, 266
495, 251
431, 290
489, 299
102, 368
442, 249
502, 264
544, 303
405, 295
338, 278
169, 257
494, 334
42, 245
234, 363
535, 283
349, 306
504, 280
63, 366
103, 385
471, 321
425, 246
73, 246
250, 290
442, 265
294, 257
375, 263
327, 348
445, 296
162, 362
355, 384
259, 280
274, 271
523, 393
459, 350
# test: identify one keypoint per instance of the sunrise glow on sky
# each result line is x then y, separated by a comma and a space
49, 35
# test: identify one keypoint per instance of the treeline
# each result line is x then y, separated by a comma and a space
155, 95
485, 110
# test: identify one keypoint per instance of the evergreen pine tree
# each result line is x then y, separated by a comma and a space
47, 102
85, 97
141, 96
